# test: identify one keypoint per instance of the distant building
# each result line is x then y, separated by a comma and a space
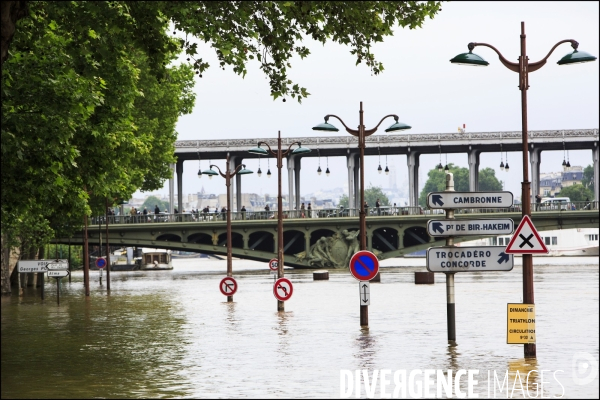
552, 183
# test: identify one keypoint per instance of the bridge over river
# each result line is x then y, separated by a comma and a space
325, 240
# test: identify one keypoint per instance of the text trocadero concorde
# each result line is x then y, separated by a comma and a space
451, 200
468, 259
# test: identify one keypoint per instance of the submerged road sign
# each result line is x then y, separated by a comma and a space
228, 286
364, 289
526, 240
451, 200
520, 323
364, 265
468, 259
455, 227
100, 262
273, 264
58, 274
57, 266
37, 265
283, 289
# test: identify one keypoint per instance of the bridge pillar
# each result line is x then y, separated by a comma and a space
307, 242
535, 157
350, 162
412, 159
473, 169
246, 239
172, 189
234, 162
297, 166
290, 167
179, 170
596, 172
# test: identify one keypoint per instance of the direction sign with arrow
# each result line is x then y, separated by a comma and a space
468, 259
451, 200
526, 239
38, 265
58, 274
56, 266
470, 227
364, 289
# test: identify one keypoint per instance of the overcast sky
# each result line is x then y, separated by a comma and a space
420, 85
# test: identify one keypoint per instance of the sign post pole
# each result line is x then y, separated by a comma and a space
450, 302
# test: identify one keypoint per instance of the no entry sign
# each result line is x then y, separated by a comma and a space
364, 265
283, 289
228, 286
273, 264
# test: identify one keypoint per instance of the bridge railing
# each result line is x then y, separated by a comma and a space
387, 211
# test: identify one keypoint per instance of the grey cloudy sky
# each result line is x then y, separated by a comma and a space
420, 85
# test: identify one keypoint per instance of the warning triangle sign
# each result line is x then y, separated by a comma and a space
526, 240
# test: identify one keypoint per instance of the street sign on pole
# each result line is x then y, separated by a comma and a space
56, 266
273, 264
526, 240
364, 289
470, 227
283, 289
364, 265
228, 286
452, 200
468, 259
28, 266
520, 323
58, 274
100, 262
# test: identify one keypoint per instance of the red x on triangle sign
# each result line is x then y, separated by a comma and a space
526, 240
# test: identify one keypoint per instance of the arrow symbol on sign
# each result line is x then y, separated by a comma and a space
437, 227
503, 257
437, 199
283, 288
365, 293
228, 286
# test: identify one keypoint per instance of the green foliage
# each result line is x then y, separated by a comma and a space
372, 193
152, 201
588, 178
576, 192
436, 181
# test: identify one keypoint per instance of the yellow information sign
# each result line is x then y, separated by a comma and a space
520, 323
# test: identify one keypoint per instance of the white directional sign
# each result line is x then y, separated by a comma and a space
468, 259
58, 274
454, 227
450, 200
56, 266
526, 240
37, 265
364, 288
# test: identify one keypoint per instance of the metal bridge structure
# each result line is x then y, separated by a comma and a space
395, 233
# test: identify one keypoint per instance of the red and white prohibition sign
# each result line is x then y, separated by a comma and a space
283, 289
273, 264
228, 286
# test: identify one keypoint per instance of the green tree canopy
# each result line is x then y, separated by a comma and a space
576, 192
372, 193
588, 177
152, 201
436, 181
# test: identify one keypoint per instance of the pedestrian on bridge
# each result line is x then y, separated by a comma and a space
377, 206
243, 210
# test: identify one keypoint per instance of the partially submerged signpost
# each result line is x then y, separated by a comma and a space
58, 268
450, 259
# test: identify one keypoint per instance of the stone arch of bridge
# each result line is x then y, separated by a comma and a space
294, 241
237, 240
414, 236
200, 238
317, 234
385, 239
168, 237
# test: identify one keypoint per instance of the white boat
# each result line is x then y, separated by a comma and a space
560, 242
155, 259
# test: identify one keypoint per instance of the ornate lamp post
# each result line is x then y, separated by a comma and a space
523, 67
361, 133
239, 170
279, 154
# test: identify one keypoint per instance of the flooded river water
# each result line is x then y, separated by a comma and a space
172, 334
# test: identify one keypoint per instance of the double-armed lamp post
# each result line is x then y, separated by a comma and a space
279, 154
523, 68
362, 134
239, 170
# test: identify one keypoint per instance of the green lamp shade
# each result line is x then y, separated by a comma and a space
469, 59
209, 172
576, 57
245, 171
258, 150
325, 126
301, 150
398, 126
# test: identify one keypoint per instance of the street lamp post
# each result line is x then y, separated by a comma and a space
361, 133
239, 170
279, 155
523, 67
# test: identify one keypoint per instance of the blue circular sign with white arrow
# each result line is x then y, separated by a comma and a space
364, 265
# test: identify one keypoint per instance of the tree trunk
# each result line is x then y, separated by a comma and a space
11, 12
